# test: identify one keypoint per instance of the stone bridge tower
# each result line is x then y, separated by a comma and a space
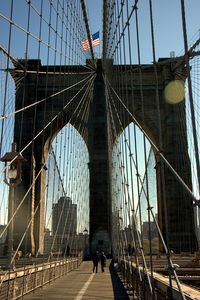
37, 86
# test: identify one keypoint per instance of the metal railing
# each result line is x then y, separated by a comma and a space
22, 281
137, 280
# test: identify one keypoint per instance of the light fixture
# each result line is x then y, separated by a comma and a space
12, 177
12, 160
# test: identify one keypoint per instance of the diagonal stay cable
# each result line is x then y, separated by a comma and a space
13, 71
18, 64
192, 110
26, 192
134, 7
23, 236
171, 265
49, 123
149, 208
47, 98
29, 33
125, 181
86, 103
59, 220
154, 145
15, 62
134, 218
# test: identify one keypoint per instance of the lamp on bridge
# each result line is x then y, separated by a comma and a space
12, 171
12, 177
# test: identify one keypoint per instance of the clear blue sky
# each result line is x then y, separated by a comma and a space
167, 24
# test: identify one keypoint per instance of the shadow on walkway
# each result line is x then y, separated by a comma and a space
118, 288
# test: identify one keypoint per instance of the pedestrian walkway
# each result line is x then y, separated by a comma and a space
82, 283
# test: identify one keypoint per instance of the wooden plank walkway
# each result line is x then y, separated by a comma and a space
83, 284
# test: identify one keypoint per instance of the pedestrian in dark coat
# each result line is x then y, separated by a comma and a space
103, 261
95, 259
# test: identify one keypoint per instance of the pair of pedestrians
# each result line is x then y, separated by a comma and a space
99, 257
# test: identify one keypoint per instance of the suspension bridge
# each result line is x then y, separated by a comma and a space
98, 152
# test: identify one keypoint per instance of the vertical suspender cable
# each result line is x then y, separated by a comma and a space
190, 92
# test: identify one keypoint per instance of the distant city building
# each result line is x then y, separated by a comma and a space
64, 217
64, 225
48, 239
153, 229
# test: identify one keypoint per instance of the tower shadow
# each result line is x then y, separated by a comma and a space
119, 290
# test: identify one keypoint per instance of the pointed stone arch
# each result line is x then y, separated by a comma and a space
40, 86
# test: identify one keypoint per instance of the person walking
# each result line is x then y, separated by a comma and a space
95, 261
103, 261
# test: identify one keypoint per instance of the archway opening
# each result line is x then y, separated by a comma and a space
134, 194
67, 195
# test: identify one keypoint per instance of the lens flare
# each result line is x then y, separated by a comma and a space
174, 91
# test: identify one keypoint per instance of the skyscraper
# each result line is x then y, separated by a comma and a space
64, 217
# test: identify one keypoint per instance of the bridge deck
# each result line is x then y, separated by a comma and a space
82, 283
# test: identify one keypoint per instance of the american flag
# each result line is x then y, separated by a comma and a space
95, 41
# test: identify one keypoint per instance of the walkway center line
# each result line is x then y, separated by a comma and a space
84, 288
